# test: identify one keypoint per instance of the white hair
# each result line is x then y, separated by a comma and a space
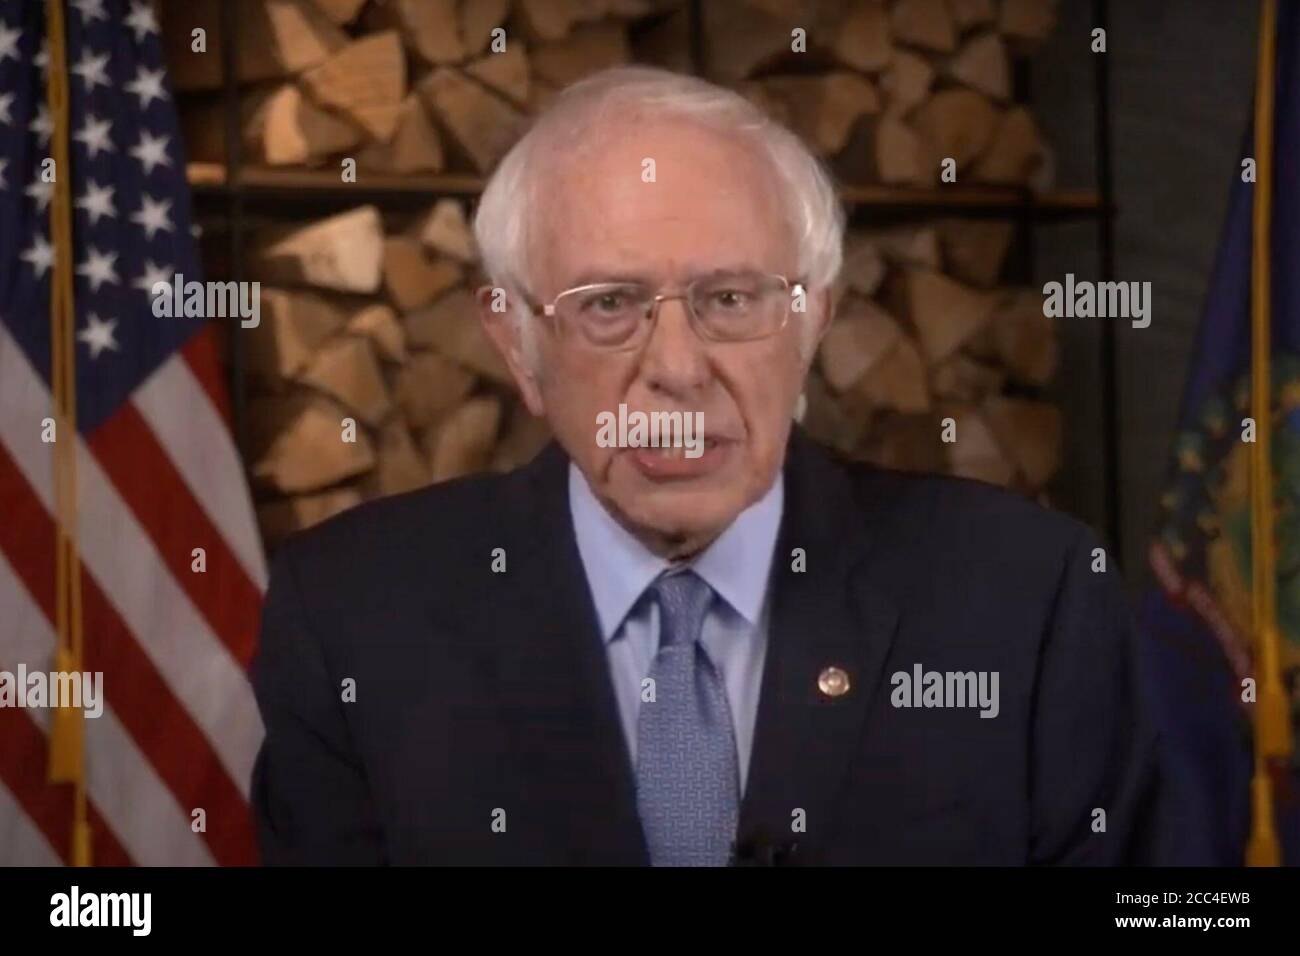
502, 222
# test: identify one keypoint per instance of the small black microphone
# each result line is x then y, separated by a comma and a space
760, 849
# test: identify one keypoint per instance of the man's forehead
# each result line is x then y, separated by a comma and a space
602, 270
679, 153
686, 199
658, 253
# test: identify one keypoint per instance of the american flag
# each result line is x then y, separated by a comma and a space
158, 473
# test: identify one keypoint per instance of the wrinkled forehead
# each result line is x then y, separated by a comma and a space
661, 198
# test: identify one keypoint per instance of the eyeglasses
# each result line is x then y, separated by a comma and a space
727, 307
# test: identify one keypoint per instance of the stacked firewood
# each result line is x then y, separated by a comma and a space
899, 93
886, 91
369, 374
397, 86
930, 366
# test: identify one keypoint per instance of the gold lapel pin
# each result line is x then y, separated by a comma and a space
833, 682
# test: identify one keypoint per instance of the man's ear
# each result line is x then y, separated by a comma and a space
827, 301
821, 310
496, 310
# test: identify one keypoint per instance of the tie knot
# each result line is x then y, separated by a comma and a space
684, 599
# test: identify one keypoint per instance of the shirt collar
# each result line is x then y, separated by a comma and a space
619, 567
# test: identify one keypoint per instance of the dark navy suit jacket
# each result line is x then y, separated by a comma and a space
484, 728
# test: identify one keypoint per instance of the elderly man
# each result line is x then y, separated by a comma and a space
744, 652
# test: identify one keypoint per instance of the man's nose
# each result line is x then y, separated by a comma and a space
674, 359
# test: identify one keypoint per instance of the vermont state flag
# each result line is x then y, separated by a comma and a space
1198, 620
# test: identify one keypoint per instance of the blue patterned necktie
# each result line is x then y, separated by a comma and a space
687, 778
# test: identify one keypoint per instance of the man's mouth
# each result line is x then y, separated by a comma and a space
673, 463
676, 451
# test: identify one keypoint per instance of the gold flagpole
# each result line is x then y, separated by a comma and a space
67, 763
1272, 723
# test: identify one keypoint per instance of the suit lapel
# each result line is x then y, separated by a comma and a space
552, 664
825, 616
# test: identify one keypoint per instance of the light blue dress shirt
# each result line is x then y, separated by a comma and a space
619, 569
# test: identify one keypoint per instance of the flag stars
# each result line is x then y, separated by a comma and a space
153, 215
40, 255
9, 42
90, 9
141, 21
42, 57
93, 70
97, 200
151, 152
6, 100
98, 268
41, 192
42, 126
148, 85
94, 135
151, 276
98, 335
4, 164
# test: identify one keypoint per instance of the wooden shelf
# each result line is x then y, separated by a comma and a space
948, 197
316, 185
212, 177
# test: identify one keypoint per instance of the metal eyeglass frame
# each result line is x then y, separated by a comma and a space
547, 310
